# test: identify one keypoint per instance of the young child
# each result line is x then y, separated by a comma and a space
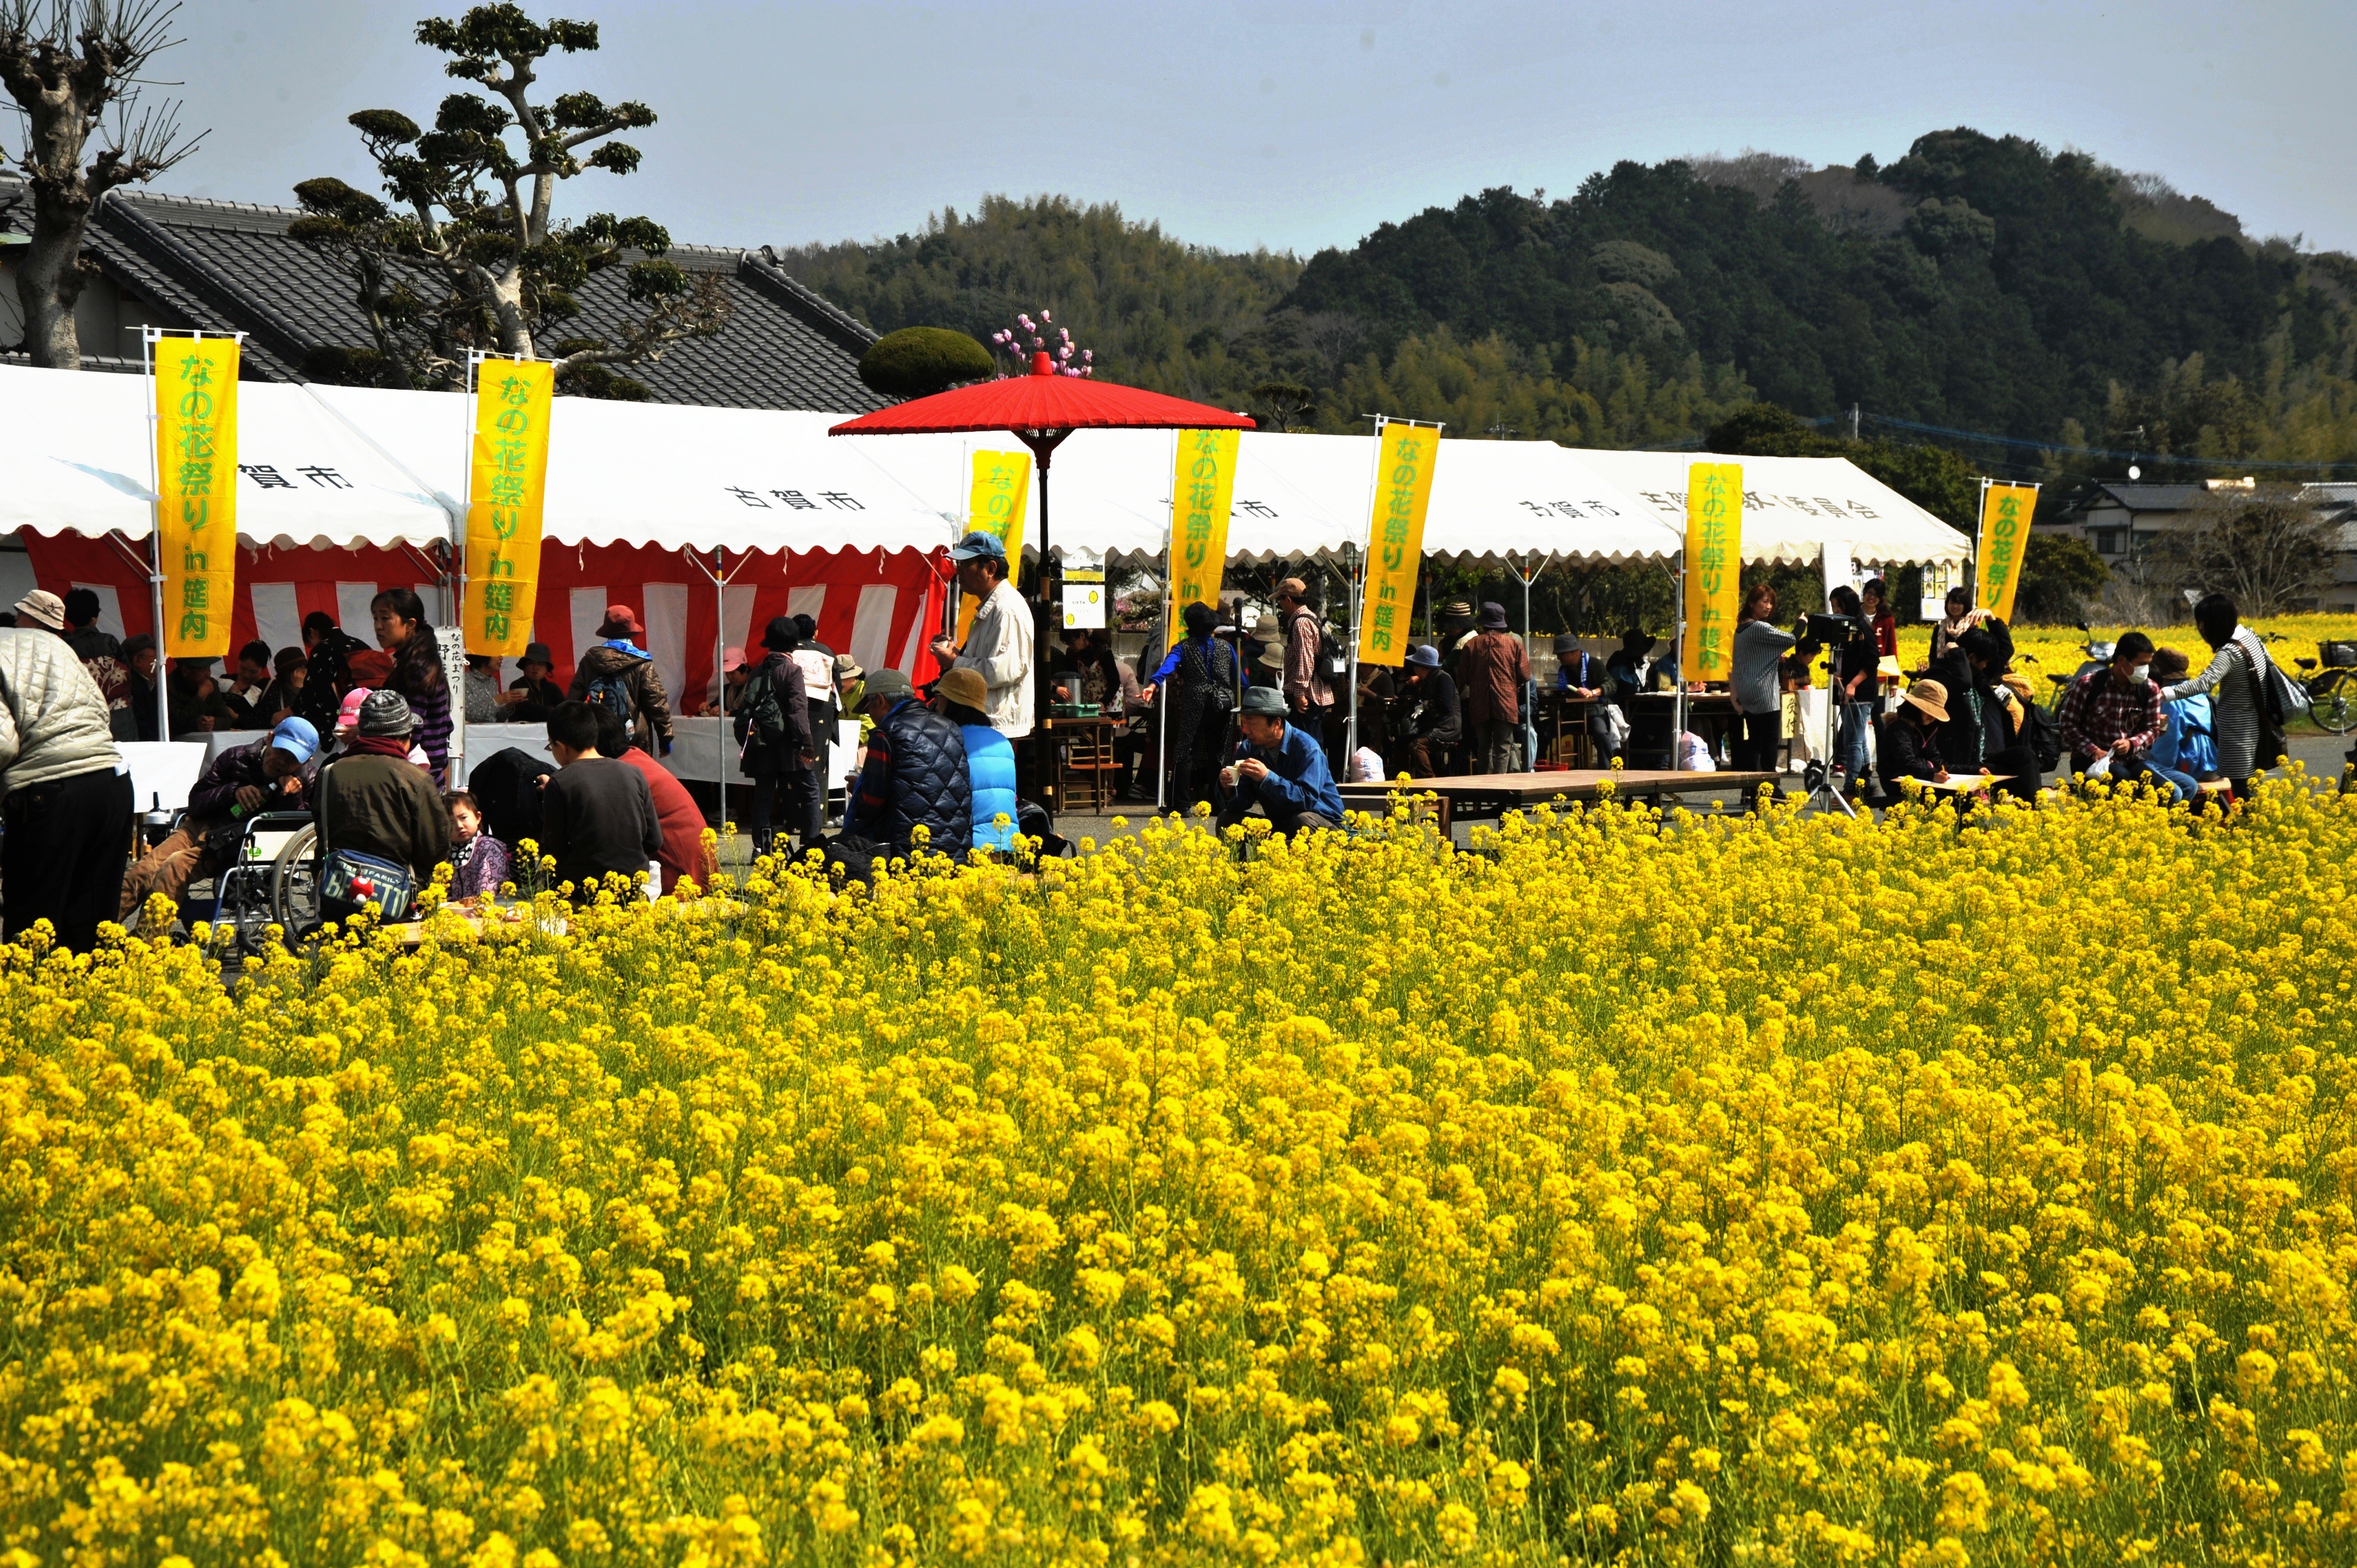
479, 861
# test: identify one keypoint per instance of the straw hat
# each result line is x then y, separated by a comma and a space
1932, 696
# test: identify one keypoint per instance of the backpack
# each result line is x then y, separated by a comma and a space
761, 717
1331, 659
2041, 735
613, 694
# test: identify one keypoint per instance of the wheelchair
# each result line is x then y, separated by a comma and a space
272, 875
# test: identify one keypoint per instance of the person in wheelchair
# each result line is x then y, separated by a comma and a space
273, 774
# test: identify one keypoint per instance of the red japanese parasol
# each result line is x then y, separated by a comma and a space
1041, 410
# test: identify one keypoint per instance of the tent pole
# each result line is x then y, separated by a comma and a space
1678, 719
156, 536
720, 676
1358, 607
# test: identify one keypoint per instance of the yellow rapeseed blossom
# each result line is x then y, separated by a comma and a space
1628, 1187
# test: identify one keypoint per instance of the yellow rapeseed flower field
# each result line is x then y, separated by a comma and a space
1632, 1188
2056, 650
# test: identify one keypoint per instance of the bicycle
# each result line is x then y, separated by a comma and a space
2332, 694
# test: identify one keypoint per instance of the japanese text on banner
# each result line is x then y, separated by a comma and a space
1714, 569
505, 487
1202, 490
2004, 532
1395, 541
196, 492
994, 504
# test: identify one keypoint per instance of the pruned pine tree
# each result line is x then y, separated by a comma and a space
467, 255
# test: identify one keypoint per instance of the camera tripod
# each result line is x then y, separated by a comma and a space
1818, 775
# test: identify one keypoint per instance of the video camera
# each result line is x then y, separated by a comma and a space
1816, 630
1831, 628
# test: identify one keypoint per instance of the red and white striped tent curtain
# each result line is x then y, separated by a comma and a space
879, 607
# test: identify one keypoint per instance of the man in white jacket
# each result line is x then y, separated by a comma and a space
65, 796
999, 643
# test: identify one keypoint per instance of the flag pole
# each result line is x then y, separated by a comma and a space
148, 336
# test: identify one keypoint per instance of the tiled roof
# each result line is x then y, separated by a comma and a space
2146, 497
230, 266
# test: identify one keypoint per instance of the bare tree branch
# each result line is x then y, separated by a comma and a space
73, 67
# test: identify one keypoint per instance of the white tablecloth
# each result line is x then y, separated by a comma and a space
163, 772
702, 751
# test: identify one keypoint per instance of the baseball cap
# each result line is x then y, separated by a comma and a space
297, 737
890, 682
979, 545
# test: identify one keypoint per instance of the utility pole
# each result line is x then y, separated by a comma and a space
1853, 422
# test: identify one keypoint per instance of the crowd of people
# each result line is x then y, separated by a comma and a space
1245, 718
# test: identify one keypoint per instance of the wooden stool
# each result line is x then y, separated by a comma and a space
1088, 772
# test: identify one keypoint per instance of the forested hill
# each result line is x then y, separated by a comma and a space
1977, 283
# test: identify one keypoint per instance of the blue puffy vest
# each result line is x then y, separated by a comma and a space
990, 764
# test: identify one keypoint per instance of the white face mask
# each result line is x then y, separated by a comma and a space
2144, 671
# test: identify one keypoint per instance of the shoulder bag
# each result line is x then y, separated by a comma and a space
352, 877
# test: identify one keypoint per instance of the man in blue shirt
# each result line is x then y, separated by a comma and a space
1280, 768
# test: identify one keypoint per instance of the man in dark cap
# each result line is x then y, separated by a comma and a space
275, 773
1280, 768
1492, 669
541, 695
998, 639
916, 776
1579, 677
1431, 721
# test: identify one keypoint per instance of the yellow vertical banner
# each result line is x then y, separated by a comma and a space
505, 484
1404, 464
195, 492
1714, 570
2006, 512
1203, 493
995, 499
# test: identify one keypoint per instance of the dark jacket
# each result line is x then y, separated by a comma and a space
599, 816
215, 788
1429, 711
1491, 669
915, 773
1905, 751
650, 704
774, 718
1963, 739
384, 806
326, 676
1582, 669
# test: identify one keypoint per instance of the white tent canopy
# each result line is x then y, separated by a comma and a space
335, 465
674, 476
74, 458
1794, 508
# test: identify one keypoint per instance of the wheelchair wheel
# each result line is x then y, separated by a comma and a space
294, 885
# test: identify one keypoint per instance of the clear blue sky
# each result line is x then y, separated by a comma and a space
1241, 122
